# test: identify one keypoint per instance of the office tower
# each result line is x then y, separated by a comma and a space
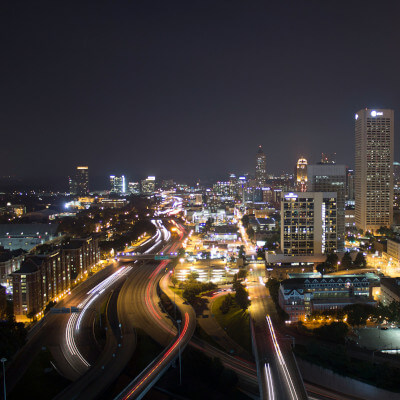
308, 221
149, 185
301, 175
374, 168
118, 185
134, 187
331, 178
261, 168
328, 158
79, 184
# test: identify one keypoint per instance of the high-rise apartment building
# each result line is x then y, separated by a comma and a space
331, 178
374, 168
301, 174
134, 187
118, 184
149, 185
79, 184
261, 168
308, 223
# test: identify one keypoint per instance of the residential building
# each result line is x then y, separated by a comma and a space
330, 177
304, 293
79, 184
308, 223
149, 185
118, 185
134, 187
261, 168
45, 277
374, 168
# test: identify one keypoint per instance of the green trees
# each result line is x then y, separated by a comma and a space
241, 296
321, 268
360, 261
357, 314
174, 280
346, 261
226, 304
334, 332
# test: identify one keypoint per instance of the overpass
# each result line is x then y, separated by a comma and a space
127, 257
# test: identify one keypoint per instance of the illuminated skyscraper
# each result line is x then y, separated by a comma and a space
330, 177
374, 168
149, 185
79, 184
301, 175
118, 184
261, 168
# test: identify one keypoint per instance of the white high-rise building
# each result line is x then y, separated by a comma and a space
308, 223
374, 168
118, 184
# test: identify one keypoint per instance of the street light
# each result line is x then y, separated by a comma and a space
179, 351
3, 360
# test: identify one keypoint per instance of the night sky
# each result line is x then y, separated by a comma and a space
191, 88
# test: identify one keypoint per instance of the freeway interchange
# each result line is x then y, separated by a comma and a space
133, 302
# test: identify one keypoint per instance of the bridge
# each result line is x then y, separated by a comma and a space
126, 257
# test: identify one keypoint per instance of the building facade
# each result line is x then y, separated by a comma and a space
299, 297
261, 168
79, 184
374, 133
301, 175
42, 278
331, 178
117, 184
308, 223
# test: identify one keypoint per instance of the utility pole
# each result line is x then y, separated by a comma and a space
3, 360
179, 351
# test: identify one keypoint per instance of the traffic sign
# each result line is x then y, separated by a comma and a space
161, 257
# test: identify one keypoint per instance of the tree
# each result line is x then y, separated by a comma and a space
226, 304
321, 268
174, 280
242, 274
250, 232
346, 260
357, 314
360, 260
332, 260
241, 296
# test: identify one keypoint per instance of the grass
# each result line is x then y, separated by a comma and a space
101, 323
235, 322
41, 380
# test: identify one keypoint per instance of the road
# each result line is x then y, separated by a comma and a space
149, 317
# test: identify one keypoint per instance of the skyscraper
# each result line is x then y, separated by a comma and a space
331, 178
308, 222
79, 184
261, 168
118, 184
301, 175
374, 168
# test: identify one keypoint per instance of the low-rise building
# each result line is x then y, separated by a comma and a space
45, 277
305, 293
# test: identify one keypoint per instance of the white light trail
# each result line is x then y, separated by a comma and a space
75, 319
271, 393
282, 361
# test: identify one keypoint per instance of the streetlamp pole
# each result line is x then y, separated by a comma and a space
3, 360
179, 351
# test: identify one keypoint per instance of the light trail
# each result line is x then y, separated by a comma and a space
271, 394
168, 352
75, 319
282, 362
